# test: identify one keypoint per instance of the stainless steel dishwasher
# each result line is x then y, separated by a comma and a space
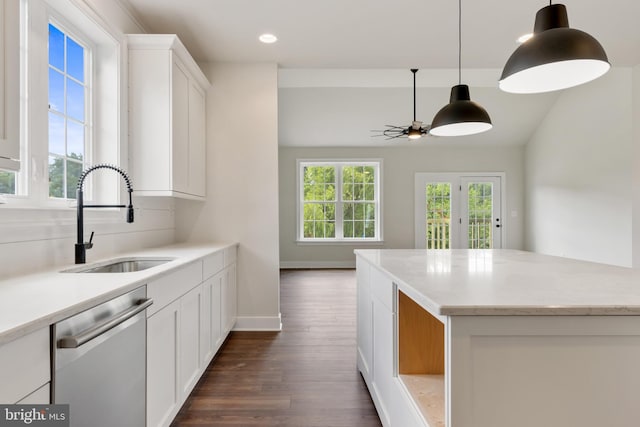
99, 363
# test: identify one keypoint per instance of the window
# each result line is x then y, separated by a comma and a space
339, 201
7, 182
68, 94
69, 106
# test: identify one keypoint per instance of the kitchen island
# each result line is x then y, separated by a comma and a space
493, 338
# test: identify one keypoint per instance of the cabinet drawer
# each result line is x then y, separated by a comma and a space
212, 264
230, 255
24, 365
168, 288
382, 287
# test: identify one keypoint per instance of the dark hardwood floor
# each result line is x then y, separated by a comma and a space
305, 375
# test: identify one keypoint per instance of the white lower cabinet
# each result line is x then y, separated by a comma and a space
39, 397
229, 298
163, 397
378, 347
190, 314
25, 368
184, 335
210, 320
365, 320
383, 359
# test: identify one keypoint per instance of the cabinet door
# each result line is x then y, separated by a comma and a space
163, 397
180, 130
216, 312
233, 296
189, 354
229, 299
197, 151
365, 319
9, 87
225, 307
383, 349
25, 365
210, 320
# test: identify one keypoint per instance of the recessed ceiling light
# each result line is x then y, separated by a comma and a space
268, 38
523, 38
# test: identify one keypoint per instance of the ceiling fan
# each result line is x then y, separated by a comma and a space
415, 131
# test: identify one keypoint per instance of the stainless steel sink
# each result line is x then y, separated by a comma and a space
121, 265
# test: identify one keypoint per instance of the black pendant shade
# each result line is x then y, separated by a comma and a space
556, 57
461, 116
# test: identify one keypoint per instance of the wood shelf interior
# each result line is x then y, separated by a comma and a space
421, 358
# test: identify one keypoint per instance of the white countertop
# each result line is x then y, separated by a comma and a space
33, 301
508, 282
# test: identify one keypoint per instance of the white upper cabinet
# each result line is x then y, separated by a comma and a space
9, 85
166, 118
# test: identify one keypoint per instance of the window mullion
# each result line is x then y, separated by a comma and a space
338, 175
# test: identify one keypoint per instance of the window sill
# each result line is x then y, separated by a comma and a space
346, 242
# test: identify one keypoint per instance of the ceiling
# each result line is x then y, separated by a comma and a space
390, 36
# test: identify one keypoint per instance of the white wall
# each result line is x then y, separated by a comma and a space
242, 185
35, 239
579, 174
400, 165
636, 166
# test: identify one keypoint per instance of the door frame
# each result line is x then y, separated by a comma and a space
420, 200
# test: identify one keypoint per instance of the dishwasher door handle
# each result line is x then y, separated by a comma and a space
75, 341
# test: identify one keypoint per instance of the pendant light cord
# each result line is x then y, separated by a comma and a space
459, 42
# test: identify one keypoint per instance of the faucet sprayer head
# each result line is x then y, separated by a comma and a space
130, 207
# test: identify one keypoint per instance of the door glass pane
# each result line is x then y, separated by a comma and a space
480, 197
438, 215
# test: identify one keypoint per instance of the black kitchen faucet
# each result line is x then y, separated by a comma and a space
81, 245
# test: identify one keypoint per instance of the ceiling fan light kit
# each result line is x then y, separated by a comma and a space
556, 57
415, 131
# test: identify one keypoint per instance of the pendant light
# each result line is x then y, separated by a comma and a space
461, 116
556, 57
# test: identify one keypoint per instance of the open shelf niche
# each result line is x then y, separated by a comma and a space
421, 358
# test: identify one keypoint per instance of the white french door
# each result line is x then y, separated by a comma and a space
458, 211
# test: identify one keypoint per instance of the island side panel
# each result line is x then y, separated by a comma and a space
377, 352
555, 371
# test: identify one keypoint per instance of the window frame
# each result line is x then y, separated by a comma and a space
107, 114
339, 220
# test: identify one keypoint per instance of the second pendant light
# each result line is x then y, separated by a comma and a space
461, 116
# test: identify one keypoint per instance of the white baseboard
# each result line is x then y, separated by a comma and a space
258, 323
317, 264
